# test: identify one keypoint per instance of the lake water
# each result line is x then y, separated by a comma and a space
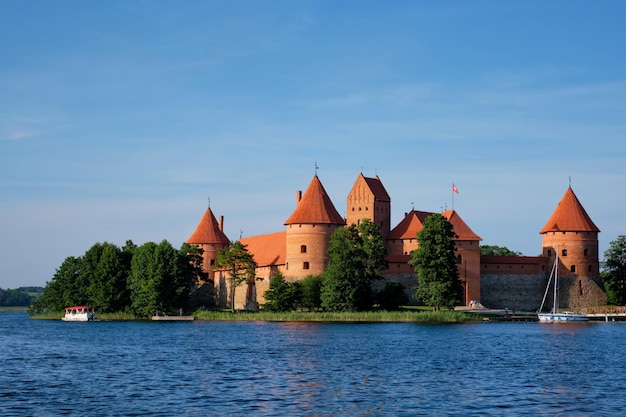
207, 368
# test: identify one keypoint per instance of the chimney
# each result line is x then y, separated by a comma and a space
221, 223
298, 196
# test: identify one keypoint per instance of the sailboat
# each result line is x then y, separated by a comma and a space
555, 316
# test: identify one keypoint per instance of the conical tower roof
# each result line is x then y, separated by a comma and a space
208, 231
569, 216
315, 207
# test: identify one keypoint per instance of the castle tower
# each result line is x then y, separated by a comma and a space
209, 236
308, 232
571, 231
368, 199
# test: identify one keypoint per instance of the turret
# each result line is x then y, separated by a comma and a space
572, 233
209, 236
308, 232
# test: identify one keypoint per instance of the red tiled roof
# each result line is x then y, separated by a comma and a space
208, 231
315, 207
269, 249
408, 228
461, 228
413, 223
377, 188
569, 216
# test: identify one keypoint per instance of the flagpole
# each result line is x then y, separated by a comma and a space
454, 191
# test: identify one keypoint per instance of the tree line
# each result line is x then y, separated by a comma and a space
19, 297
153, 278
142, 280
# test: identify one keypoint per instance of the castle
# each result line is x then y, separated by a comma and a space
516, 282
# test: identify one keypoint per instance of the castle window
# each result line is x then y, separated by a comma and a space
212, 262
564, 252
305, 265
586, 251
580, 287
589, 268
549, 253
302, 248
459, 259
572, 268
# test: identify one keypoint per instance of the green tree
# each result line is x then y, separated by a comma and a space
375, 252
614, 271
14, 297
498, 251
155, 281
282, 295
107, 270
392, 296
193, 262
356, 258
311, 292
240, 267
434, 261
62, 291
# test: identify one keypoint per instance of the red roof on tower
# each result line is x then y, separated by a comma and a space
569, 216
315, 207
377, 188
413, 223
208, 231
459, 226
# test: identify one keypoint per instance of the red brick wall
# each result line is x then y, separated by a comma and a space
316, 238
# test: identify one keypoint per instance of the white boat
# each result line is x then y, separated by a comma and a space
556, 316
80, 313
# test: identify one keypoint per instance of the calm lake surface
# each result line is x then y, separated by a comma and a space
208, 368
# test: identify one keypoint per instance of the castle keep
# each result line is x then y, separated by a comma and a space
496, 281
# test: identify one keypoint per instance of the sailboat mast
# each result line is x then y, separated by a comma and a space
556, 282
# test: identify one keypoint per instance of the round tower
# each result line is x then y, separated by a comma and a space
209, 237
571, 233
308, 232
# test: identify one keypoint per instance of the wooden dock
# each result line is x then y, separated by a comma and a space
606, 313
607, 316
172, 318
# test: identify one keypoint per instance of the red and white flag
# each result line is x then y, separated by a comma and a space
454, 189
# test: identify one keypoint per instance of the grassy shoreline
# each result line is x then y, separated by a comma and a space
402, 316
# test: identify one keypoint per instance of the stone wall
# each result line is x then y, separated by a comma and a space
521, 292
408, 280
578, 293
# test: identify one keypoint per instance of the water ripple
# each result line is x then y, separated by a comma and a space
312, 369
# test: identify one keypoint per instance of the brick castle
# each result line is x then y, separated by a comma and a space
515, 282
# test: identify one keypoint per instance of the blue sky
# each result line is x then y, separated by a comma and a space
120, 119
